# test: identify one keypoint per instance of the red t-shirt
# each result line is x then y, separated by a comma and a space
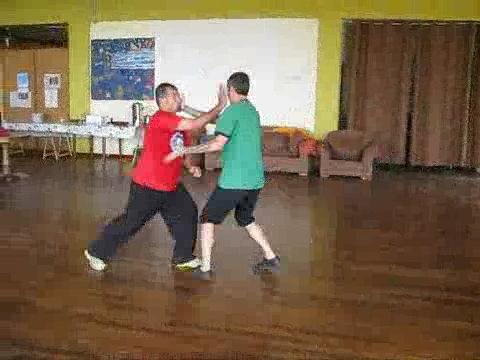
161, 137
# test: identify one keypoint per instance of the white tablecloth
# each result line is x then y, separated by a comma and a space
107, 131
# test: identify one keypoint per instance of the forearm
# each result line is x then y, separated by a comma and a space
207, 117
211, 146
192, 112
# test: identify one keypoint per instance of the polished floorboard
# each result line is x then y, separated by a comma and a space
388, 269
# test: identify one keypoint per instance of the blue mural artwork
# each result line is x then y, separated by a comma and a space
123, 69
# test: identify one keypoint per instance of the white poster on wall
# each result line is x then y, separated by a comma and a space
51, 98
22, 81
51, 81
20, 99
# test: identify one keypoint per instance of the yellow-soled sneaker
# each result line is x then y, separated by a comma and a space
94, 262
188, 265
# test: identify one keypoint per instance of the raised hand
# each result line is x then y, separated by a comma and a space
222, 95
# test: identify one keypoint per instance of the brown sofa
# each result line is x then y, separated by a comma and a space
282, 152
347, 153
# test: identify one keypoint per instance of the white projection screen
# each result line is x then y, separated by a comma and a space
280, 55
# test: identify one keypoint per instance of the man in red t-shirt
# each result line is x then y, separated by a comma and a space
156, 185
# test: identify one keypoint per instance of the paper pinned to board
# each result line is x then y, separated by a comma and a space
20, 99
51, 98
22, 81
51, 81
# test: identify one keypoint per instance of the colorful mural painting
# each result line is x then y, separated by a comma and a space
123, 69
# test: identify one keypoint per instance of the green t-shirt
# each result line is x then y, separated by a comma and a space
242, 160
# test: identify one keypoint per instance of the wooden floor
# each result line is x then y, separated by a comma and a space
382, 270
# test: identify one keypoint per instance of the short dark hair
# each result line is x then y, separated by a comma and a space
161, 91
240, 82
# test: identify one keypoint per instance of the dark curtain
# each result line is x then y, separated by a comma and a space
473, 139
415, 87
375, 83
442, 76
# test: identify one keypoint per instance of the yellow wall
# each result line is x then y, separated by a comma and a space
2, 93
79, 14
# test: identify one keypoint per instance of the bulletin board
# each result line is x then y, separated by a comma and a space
52, 83
28, 85
18, 84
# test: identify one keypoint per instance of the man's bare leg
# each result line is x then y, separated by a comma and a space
207, 241
257, 234
270, 262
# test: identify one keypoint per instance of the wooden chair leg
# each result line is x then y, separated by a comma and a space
74, 145
104, 148
55, 152
69, 145
49, 140
64, 146
120, 143
91, 146
5, 159
45, 142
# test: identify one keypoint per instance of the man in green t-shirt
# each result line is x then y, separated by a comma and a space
239, 135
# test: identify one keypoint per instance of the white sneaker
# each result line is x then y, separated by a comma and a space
95, 263
189, 265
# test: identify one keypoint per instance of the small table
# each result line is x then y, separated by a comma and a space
5, 143
78, 129
6, 174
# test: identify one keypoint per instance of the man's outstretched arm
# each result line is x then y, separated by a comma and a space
203, 119
192, 112
213, 145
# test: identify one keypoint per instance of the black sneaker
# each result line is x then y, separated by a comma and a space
267, 266
202, 275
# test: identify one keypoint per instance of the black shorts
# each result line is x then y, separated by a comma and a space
222, 201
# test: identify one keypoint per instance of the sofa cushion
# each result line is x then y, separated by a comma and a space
276, 144
296, 139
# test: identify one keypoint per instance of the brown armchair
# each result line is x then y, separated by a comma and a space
347, 153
